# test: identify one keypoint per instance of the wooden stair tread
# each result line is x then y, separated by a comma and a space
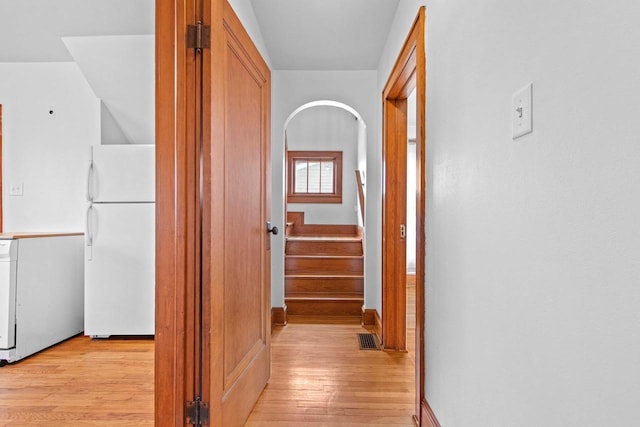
328, 297
324, 276
324, 271
325, 256
324, 238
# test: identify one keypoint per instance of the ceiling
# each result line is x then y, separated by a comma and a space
31, 30
325, 34
299, 34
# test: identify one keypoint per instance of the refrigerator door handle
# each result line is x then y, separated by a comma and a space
90, 183
90, 226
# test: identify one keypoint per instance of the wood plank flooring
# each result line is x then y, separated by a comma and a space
80, 382
319, 378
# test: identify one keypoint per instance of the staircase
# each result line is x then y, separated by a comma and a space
324, 271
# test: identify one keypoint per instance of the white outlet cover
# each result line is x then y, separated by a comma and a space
16, 189
521, 111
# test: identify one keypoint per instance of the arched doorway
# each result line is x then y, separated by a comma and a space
325, 169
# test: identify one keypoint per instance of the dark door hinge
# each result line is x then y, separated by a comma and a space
197, 413
198, 37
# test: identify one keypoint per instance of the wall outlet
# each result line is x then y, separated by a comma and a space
16, 189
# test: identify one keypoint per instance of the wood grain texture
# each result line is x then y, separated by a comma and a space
408, 73
81, 382
360, 186
278, 316
324, 274
324, 265
428, 417
295, 217
368, 317
411, 279
377, 329
324, 306
323, 247
345, 285
339, 230
321, 378
175, 212
393, 217
238, 95
421, 197
34, 235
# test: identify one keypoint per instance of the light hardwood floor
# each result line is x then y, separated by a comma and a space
80, 382
319, 378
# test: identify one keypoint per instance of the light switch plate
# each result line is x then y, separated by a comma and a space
521, 112
15, 189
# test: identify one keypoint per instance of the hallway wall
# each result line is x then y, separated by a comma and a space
244, 11
532, 245
290, 90
326, 128
47, 153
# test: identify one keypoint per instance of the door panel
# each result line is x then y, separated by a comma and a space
240, 259
213, 289
243, 255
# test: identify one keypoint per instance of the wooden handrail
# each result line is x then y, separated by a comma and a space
360, 192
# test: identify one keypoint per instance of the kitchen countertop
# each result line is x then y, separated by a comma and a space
30, 235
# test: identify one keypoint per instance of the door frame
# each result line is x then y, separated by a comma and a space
409, 72
177, 191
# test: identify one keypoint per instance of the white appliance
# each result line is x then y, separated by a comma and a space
41, 291
120, 241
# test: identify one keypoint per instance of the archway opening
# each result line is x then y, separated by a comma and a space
324, 201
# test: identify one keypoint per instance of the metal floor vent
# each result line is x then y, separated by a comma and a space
368, 342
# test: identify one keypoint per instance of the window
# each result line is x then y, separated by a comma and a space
314, 177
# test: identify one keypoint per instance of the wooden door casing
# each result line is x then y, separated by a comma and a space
393, 217
408, 73
177, 192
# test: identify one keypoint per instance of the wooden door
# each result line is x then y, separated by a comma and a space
240, 301
212, 199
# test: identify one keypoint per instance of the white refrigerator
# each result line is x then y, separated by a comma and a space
120, 241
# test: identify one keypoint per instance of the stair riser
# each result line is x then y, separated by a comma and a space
326, 266
300, 286
301, 247
327, 308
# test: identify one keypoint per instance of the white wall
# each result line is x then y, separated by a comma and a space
121, 72
411, 208
244, 11
325, 128
290, 90
532, 245
48, 153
